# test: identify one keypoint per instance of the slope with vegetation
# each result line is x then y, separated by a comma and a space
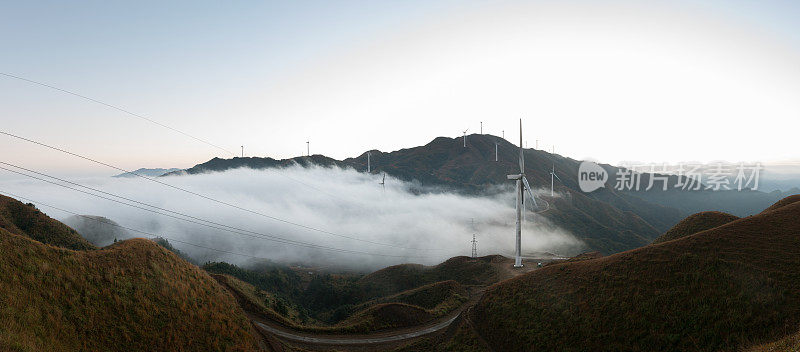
721, 289
24, 219
696, 223
397, 296
133, 295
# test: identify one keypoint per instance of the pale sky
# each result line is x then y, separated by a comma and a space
608, 80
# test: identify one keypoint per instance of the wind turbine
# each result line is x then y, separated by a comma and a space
369, 167
383, 182
552, 175
465, 137
495, 151
522, 185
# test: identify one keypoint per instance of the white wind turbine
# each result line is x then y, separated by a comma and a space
553, 175
369, 167
465, 137
522, 185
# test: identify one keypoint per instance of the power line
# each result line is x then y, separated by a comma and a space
206, 223
145, 118
210, 198
128, 228
118, 109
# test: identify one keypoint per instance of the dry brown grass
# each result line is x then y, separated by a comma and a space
131, 296
783, 202
25, 220
409, 308
789, 343
722, 289
696, 223
464, 270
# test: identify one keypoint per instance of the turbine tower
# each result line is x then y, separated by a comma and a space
522, 185
369, 167
474, 247
383, 182
495, 151
465, 137
553, 175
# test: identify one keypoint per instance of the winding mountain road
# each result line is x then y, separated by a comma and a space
361, 340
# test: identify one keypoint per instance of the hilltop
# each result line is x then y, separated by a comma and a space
725, 288
464, 270
25, 220
399, 296
605, 220
148, 172
445, 164
696, 223
133, 295
783, 202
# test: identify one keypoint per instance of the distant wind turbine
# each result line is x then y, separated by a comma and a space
465, 137
522, 185
383, 182
552, 175
495, 151
369, 168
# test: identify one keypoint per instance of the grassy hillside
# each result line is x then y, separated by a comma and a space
783, 202
721, 289
439, 297
464, 270
261, 302
696, 223
25, 220
133, 295
366, 311
789, 343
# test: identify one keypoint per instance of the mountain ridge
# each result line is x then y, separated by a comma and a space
606, 220
724, 288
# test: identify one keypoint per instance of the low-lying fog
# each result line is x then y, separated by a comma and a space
344, 202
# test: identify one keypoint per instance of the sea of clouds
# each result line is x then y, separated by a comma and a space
393, 224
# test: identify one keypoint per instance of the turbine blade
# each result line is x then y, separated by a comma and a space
528, 187
521, 156
558, 178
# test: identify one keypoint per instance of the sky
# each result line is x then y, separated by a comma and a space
612, 81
